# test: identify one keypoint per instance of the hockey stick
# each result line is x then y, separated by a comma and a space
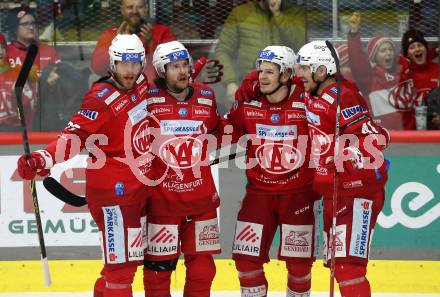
18, 89
60, 192
335, 180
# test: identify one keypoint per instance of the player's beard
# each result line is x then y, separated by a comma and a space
134, 23
179, 86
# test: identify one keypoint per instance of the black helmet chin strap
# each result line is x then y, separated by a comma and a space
318, 84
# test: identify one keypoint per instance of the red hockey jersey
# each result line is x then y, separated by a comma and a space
278, 149
355, 120
113, 126
182, 137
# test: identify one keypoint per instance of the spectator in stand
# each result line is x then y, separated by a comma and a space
8, 115
382, 78
422, 69
343, 61
249, 28
135, 21
23, 32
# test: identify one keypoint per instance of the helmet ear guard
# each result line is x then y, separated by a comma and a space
283, 56
168, 52
126, 48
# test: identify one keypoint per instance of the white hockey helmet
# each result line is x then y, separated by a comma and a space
169, 52
315, 54
281, 55
126, 48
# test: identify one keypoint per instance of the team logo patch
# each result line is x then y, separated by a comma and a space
153, 91
180, 127
181, 152
276, 132
351, 111
278, 158
253, 113
155, 100
162, 109
114, 235
138, 113
201, 112
133, 98
293, 116
120, 105
247, 238
319, 107
112, 97
296, 240
141, 138
207, 235
313, 118
204, 101
360, 232
183, 112
205, 92
253, 103
275, 118
89, 114
299, 105
101, 93
136, 244
328, 98
162, 240
119, 189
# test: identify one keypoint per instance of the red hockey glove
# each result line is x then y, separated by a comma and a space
39, 163
207, 71
350, 160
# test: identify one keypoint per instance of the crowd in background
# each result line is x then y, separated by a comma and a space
395, 78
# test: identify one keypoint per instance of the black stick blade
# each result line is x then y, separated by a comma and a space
56, 189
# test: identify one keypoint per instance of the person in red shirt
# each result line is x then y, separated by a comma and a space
113, 126
8, 115
182, 212
23, 31
279, 190
359, 165
422, 69
134, 13
381, 75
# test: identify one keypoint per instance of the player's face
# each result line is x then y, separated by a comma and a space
177, 75
133, 11
27, 28
268, 77
127, 73
417, 53
305, 74
385, 56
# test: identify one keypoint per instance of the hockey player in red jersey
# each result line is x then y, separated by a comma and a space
359, 163
279, 189
182, 212
112, 125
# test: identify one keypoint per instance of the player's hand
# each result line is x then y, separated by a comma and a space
36, 164
53, 76
231, 88
146, 32
354, 21
211, 73
124, 28
350, 161
274, 7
